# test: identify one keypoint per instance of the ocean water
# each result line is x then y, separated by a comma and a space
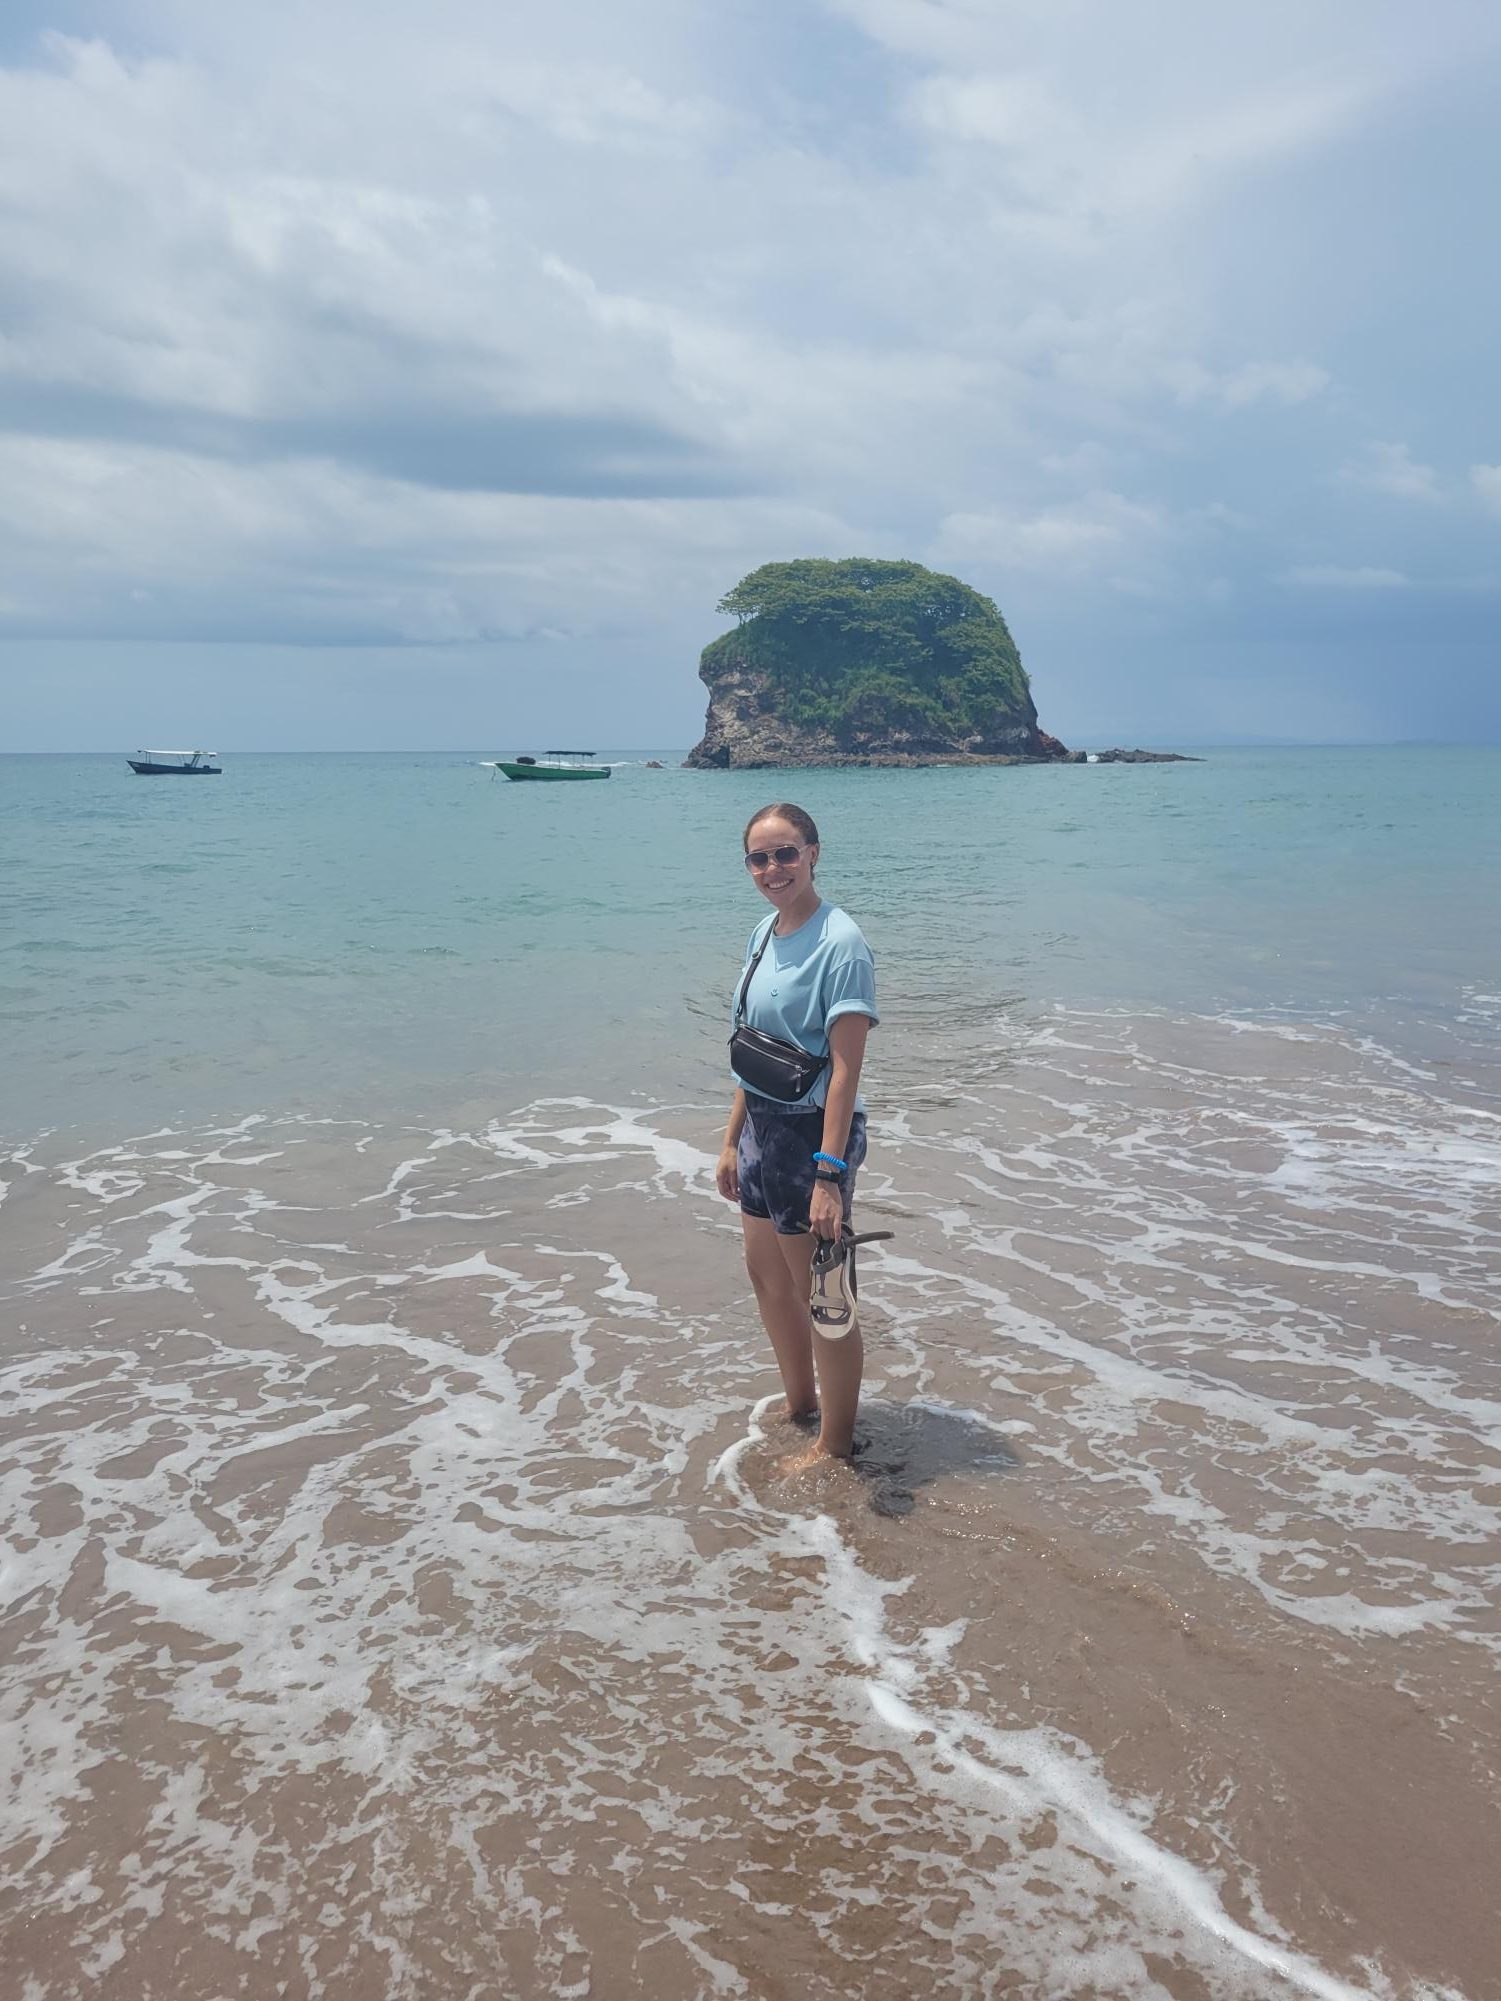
400, 1592
394, 932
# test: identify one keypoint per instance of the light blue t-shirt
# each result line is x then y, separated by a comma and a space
806, 980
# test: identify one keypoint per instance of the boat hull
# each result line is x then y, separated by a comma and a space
144, 769
550, 774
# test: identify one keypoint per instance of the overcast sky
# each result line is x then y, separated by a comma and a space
376, 375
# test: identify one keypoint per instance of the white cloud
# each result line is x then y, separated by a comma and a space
1246, 132
1101, 531
1365, 577
1390, 468
1275, 381
1486, 481
339, 551
1087, 464
1070, 124
1019, 112
587, 104
1283, 382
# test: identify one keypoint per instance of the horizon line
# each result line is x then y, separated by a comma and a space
1119, 741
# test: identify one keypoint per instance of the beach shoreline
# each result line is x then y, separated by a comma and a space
404, 1480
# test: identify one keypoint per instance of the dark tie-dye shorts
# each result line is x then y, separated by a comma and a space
776, 1163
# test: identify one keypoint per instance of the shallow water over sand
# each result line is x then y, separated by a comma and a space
402, 1597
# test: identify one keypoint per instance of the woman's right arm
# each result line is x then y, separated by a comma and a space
727, 1173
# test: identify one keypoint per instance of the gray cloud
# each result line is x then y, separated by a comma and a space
562, 452
316, 328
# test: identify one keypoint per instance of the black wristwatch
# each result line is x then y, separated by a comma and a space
828, 1174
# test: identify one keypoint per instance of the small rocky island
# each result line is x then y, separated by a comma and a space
870, 662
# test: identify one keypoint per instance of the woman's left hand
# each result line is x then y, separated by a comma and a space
826, 1210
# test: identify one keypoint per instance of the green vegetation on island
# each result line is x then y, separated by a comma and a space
856, 646
863, 660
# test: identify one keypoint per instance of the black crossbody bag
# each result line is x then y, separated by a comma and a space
764, 1063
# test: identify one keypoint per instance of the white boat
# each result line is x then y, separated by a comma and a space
557, 764
175, 764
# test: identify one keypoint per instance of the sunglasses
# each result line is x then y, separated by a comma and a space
760, 858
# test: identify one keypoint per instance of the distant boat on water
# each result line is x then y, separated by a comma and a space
175, 764
554, 766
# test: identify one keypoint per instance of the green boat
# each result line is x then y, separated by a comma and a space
554, 766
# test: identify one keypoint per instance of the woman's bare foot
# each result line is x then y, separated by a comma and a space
816, 1454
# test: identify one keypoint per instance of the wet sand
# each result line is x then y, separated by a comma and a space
400, 1597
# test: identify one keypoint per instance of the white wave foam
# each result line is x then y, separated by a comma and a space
1031, 1773
1035, 1772
413, 1477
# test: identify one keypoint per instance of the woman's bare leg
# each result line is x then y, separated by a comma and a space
840, 1363
783, 1304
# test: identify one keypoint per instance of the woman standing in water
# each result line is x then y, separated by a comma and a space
809, 981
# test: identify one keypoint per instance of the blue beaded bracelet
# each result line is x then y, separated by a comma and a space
834, 1161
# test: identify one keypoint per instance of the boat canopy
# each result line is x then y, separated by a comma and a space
177, 753
570, 753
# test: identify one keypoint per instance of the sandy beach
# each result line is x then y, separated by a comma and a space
401, 1596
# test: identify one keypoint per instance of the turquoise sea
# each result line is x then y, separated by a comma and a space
406, 933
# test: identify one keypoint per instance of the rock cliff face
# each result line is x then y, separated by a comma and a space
865, 661
747, 728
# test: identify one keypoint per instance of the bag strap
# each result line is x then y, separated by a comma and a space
750, 971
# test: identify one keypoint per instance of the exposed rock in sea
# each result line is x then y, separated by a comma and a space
870, 663
747, 728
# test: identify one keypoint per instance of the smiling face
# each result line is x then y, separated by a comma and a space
788, 885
